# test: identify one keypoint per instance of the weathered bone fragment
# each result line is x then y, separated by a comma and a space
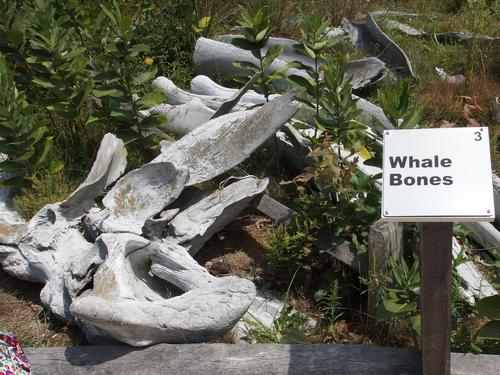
212, 58
384, 13
132, 303
476, 286
74, 262
12, 225
139, 195
193, 227
183, 118
231, 102
446, 37
226, 141
176, 95
110, 163
368, 36
448, 78
205, 86
39, 243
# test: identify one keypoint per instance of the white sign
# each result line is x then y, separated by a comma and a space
437, 175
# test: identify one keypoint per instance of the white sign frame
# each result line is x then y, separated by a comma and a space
445, 177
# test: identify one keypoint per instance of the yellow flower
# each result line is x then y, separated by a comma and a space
148, 60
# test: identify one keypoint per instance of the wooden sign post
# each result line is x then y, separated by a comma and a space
436, 177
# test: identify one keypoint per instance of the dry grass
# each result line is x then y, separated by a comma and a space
21, 313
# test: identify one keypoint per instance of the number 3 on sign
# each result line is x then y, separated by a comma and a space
478, 136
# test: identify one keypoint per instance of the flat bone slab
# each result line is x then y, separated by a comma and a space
224, 142
137, 307
141, 194
193, 227
213, 58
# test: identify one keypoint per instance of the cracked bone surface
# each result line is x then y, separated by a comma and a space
213, 58
194, 226
174, 300
226, 141
52, 250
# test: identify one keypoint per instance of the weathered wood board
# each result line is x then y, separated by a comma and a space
245, 359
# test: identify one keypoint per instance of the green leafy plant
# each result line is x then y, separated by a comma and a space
117, 84
24, 141
256, 28
287, 326
329, 303
398, 106
339, 110
399, 298
489, 307
315, 43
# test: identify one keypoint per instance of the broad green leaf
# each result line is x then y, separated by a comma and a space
12, 166
43, 83
260, 36
204, 22
108, 13
490, 330
416, 324
56, 166
140, 48
17, 182
152, 121
114, 93
489, 307
271, 54
151, 99
128, 136
43, 149
309, 52
245, 65
145, 77
396, 307
106, 76
244, 44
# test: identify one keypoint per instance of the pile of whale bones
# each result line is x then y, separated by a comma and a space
124, 270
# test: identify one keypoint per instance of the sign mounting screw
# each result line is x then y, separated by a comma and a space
386, 213
488, 211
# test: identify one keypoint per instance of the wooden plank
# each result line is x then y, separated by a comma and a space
435, 296
226, 359
274, 209
244, 359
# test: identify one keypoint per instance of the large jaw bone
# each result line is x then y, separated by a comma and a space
131, 306
226, 141
194, 226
